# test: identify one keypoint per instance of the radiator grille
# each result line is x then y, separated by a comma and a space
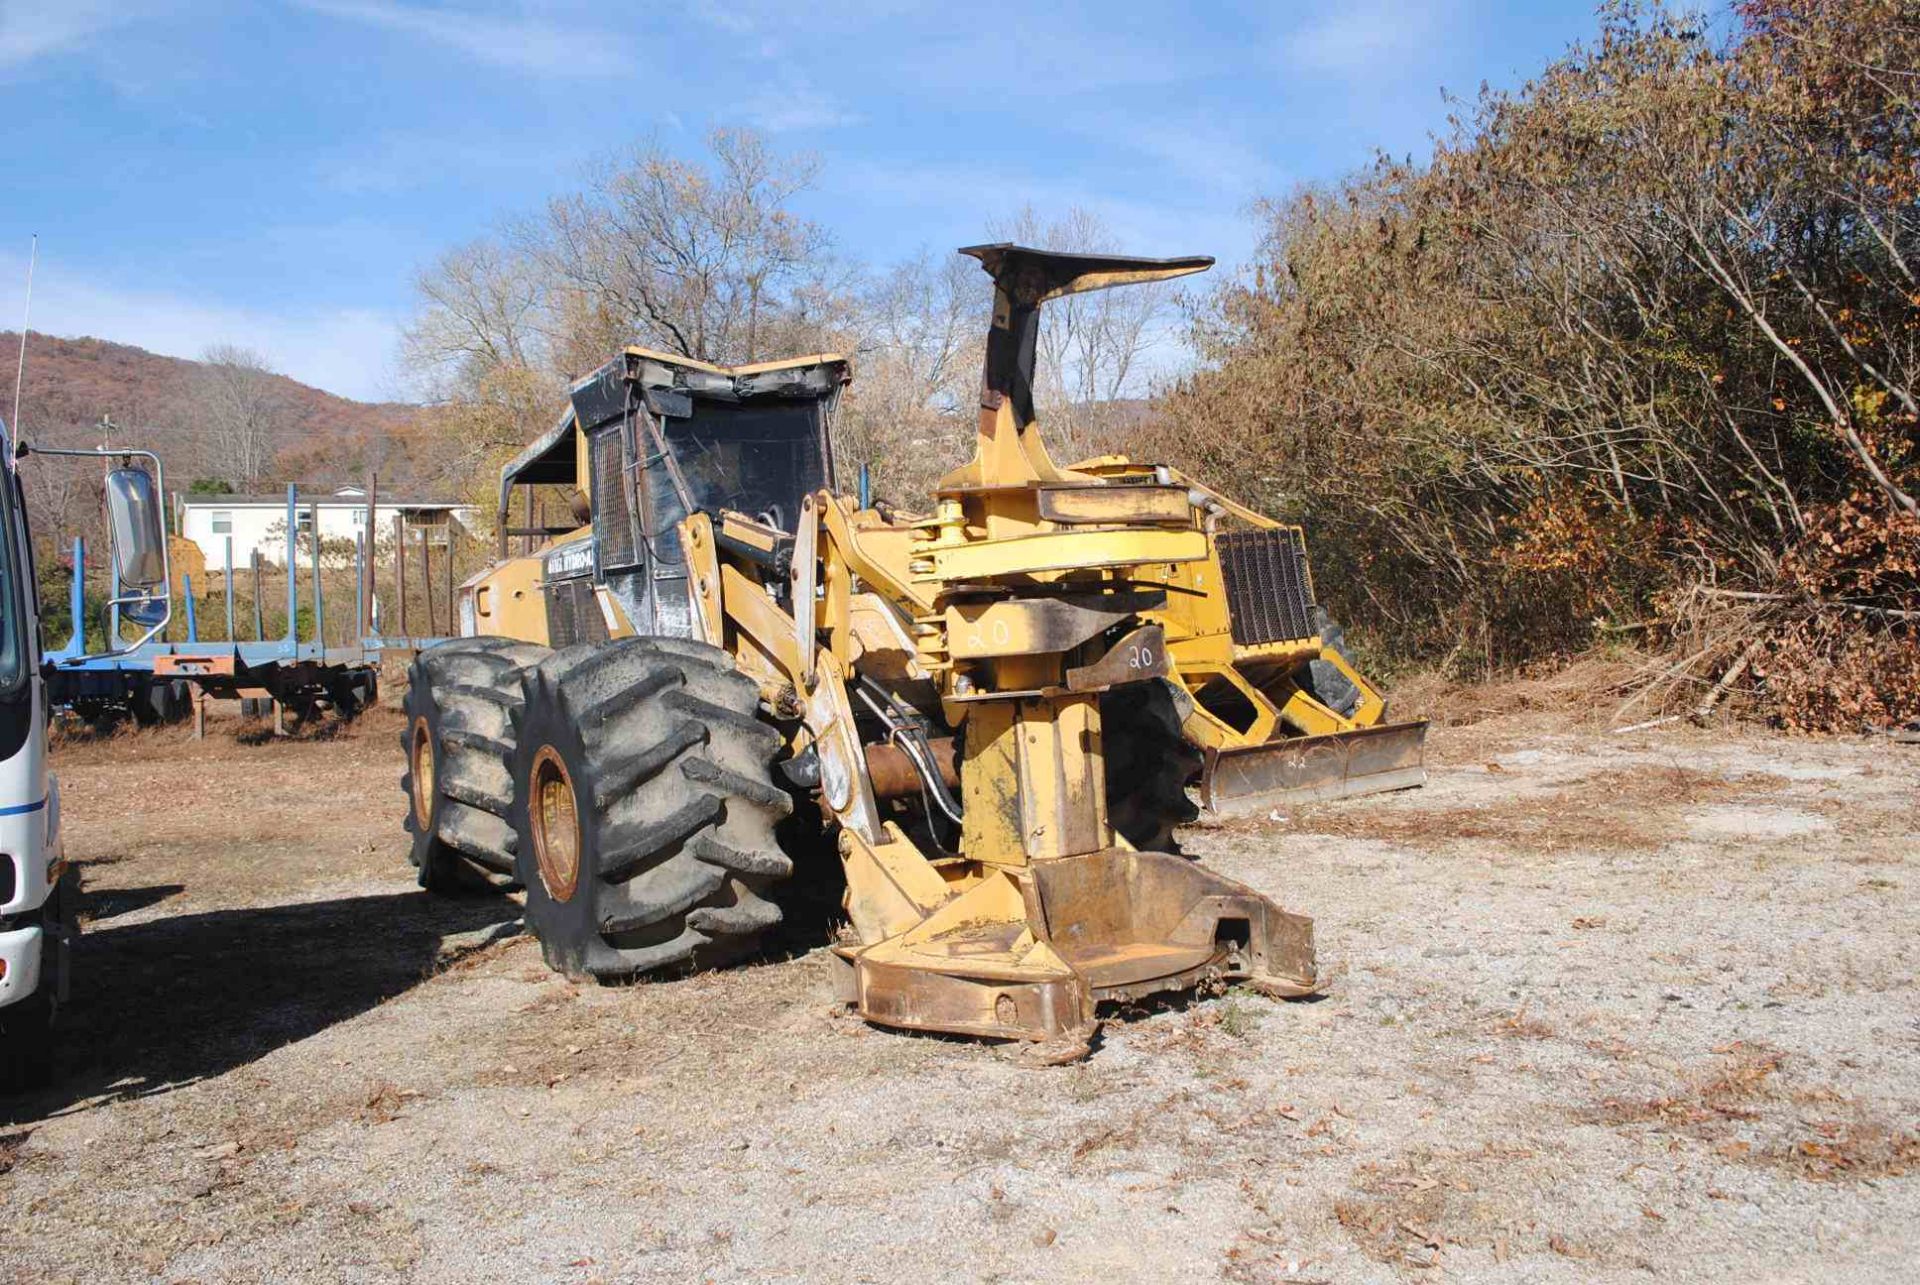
612, 514
573, 613
1268, 596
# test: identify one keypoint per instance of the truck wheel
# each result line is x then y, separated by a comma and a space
26, 1043
1325, 683
460, 696
1149, 764
646, 807
157, 701
350, 693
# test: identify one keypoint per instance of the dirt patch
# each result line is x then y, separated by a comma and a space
1614, 808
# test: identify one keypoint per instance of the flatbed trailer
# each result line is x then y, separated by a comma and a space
162, 681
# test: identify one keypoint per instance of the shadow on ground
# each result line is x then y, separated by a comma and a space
111, 903
170, 1001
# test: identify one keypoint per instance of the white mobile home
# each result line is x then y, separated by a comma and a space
260, 521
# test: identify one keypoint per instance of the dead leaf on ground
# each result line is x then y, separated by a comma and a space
1567, 1249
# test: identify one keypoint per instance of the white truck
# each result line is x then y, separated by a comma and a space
38, 890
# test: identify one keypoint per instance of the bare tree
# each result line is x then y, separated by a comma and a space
481, 308
1093, 348
700, 259
244, 413
917, 348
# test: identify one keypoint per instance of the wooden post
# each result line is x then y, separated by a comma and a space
453, 607
426, 577
400, 571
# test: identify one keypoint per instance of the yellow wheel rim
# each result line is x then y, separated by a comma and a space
556, 824
420, 763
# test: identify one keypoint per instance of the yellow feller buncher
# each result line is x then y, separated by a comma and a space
991, 710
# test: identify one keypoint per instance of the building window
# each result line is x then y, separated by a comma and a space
303, 520
222, 522
359, 517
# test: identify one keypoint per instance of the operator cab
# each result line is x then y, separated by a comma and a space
649, 438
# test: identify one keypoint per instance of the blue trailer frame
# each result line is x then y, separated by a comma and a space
147, 680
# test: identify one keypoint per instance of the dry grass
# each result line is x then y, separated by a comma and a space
1845, 1151
1707, 1098
1747, 1089
223, 822
1412, 1211
230, 738
1580, 692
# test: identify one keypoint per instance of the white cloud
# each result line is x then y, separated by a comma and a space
348, 351
751, 17
794, 109
1373, 38
402, 161
1205, 155
516, 44
962, 201
31, 29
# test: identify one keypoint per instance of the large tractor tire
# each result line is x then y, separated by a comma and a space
1325, 683
461, 696
1149, 765
646, 808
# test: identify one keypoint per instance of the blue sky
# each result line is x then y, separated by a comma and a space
273, 174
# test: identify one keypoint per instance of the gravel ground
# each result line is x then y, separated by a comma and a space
1602, 1008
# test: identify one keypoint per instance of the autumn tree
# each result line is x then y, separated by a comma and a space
243, 414
707, 257
916, 344
704, 258
1627, 348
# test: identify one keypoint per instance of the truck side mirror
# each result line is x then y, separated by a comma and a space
139, 548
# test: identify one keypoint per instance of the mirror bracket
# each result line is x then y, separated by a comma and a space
146, 596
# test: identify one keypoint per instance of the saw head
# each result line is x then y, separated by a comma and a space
1029, 277
1008, 453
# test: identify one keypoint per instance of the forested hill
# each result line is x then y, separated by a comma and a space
75, 381
231, 421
